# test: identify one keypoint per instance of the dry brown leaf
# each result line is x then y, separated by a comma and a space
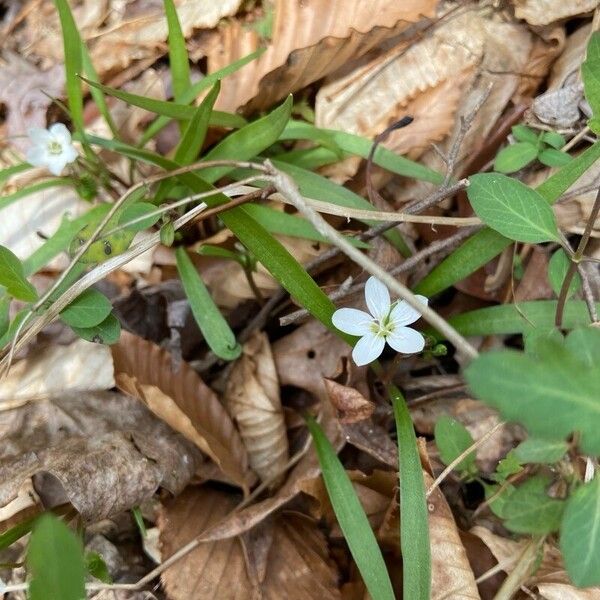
543, 12
565, 591
309, 41
294, 561
351, 405
27, 92
252, 399
101, 451
78, 367
304, 357
184, 401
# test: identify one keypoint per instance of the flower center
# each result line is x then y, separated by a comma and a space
55, 148
384, 327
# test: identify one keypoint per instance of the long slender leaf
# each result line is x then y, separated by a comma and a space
178, 56
32, 189
13, 170
214, 327
486, 244
352, 518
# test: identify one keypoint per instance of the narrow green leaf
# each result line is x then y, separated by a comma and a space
515, 157
523, 133
8, 199
414, 516
552, 396
452, 439
529, 509
511, 208
354, 144
12, 277
87, 310
5, 301
135, 211
554, 158
108, 332
590, 72
15, 533
536, 450
553, 139
249, 141
557, 269
178, 56
214, 327
197, 88
485, 244
55, 562
352, 518
167, 234
8, 172
580, 535
310, 158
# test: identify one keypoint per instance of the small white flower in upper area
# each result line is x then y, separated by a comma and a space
386, 323
51, 148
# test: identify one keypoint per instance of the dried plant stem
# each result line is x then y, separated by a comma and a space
288, 188
575, 259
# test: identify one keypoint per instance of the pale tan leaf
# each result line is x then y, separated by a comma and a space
565, 591
80, 366
252, 399
309, 41
351, 405
184, 401
297, 564
102, 452
543, 12
451, 573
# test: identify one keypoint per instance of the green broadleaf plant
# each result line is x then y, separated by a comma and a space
452, 439
12, 277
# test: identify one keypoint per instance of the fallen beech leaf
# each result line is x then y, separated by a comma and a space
106, 452
298, 563
80, 366
564, 591
182, 400
351, 405
309, 40
307, 355
543, 12
252, 398
374, 440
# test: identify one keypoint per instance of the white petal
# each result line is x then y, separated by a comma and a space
406, 340
38, 135
55, 163
377, 297
368, 348
60, 133
70, 153
37, 156
404, 314
352, 321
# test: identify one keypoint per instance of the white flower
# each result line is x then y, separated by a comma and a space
386, 323
52, 148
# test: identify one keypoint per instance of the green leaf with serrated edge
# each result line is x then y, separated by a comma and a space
557, 269
55, 562
511, 208
108, 332
554, 158
173, 110
508, 466
590, 72
452, 439
541, 393
196, 89
536, 450
351, 517
12, 277
486, 244
580, 535
249, 141
88, 309
515, 157
354, 144
529, 509
214, 327
553, 139
522, 133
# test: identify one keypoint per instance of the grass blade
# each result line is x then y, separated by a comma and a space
352, 518
32, 189
178, 55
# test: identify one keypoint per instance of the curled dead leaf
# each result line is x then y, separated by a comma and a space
286, 557
106, 452
543, 12
351, 405
252, 398
184, 401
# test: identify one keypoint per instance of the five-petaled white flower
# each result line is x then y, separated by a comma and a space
52, 148
386, 323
